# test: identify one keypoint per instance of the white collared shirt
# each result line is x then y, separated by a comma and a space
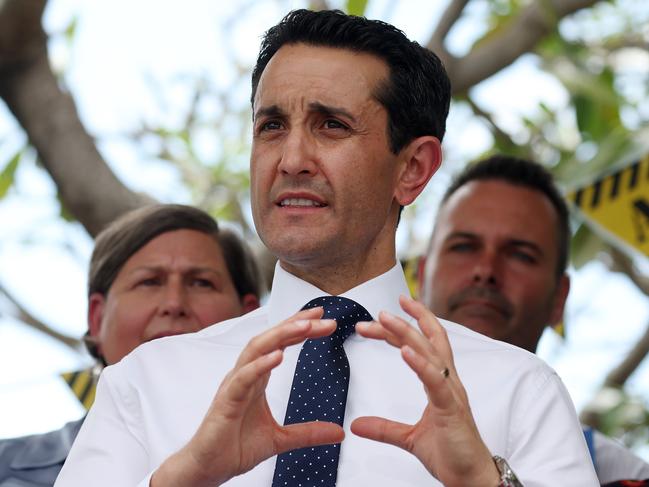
150, 404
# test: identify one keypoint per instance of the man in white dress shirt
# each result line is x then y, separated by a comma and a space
348, 117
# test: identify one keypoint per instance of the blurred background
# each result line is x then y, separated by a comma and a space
110, 104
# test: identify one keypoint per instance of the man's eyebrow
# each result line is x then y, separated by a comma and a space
513, 242
329, 110
269, 111
467, 235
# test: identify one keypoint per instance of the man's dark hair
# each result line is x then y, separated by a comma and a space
417, 93
129, 233
529, 174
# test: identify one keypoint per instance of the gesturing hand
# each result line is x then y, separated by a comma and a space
445, 439
239, 431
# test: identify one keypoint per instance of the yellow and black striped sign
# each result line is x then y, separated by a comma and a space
83, 385
619, 204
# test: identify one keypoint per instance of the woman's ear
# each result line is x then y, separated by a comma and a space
96, 303
249, 302
420, 158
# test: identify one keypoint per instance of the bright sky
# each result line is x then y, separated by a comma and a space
120, 47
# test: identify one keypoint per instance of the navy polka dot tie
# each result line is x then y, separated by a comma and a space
319, 393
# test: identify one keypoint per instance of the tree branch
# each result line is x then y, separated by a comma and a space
28, 319
495, 129
87, 186
537, 20
444, 26
619, 375
621, 262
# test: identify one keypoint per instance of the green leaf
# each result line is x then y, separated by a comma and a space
356, 7
584, 246
64, 212
71, 29
8, 174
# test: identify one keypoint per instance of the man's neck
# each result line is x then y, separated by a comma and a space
336, 280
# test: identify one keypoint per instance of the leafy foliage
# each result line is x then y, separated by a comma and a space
8, 174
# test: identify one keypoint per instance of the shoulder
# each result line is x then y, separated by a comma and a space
466, 341
614, 461
37, 458
234, 333
210, 350
478, 354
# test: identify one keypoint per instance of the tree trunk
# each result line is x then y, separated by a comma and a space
87, 187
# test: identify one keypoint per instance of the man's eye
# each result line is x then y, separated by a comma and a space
523, 257
334, 124
461, 247
270, 125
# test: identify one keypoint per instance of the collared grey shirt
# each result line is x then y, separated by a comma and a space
36, 460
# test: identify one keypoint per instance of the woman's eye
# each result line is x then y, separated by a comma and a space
150, 281
203, 283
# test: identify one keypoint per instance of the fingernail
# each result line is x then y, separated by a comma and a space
408, 351
301, 323
327, 322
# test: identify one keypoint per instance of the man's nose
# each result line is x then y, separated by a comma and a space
298, 154
486, 269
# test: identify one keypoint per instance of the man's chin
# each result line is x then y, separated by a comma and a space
299, 250
489, 324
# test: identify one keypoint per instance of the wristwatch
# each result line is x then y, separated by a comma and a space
507, 476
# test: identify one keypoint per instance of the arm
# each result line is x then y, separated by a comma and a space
94, 449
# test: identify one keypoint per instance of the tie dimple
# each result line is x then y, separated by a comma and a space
319, 393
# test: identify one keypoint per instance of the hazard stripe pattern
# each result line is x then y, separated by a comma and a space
83, 385
612, 186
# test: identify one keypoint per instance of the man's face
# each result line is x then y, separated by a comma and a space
323, 177
492, 262
177, 283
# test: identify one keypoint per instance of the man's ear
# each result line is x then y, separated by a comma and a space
421, 158
96, 304
560, 296
249, 302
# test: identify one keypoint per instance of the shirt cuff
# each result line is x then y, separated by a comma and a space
146, 481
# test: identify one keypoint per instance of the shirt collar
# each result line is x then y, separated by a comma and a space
289, 293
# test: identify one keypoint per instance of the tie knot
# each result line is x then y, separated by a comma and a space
346, 312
